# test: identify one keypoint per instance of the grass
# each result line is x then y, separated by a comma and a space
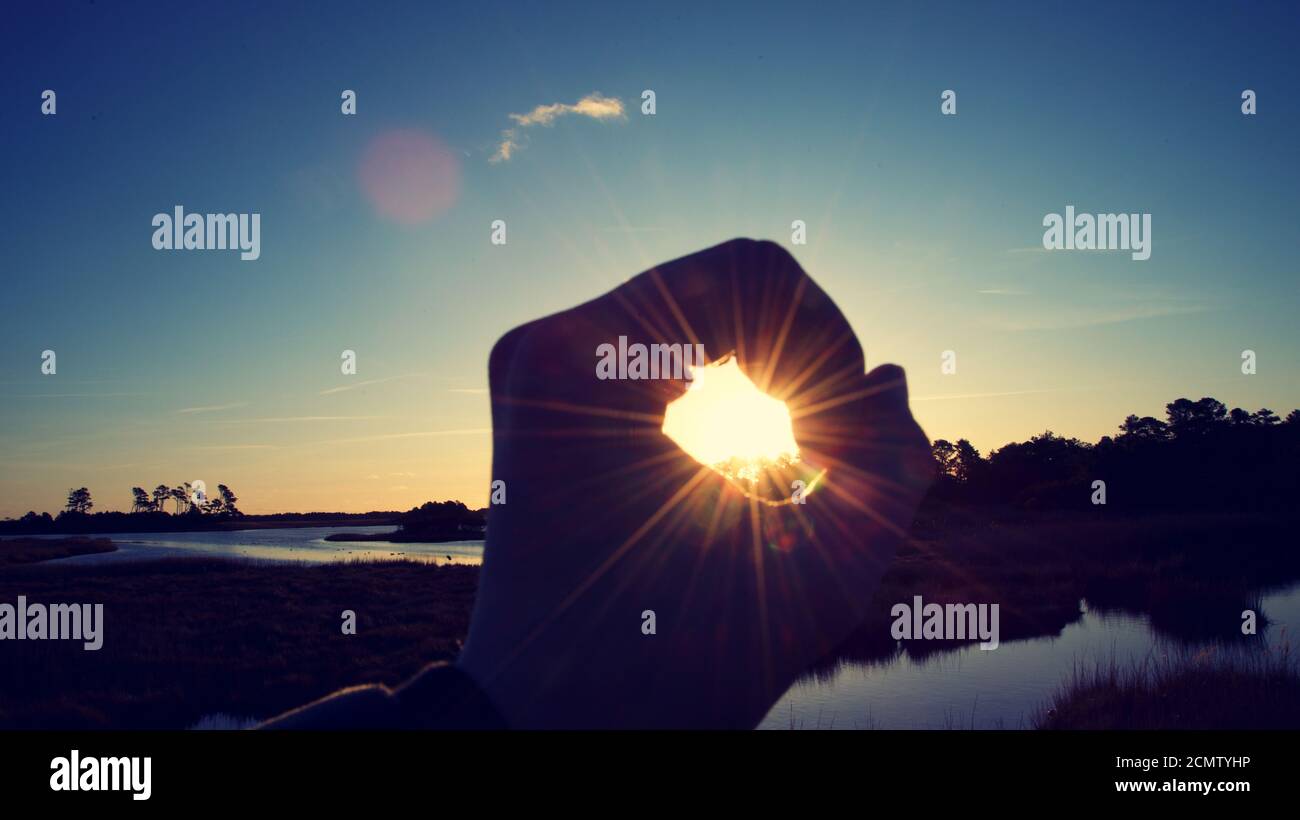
32, 550
189, 637
1200, 691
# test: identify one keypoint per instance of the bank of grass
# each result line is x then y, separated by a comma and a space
33, 550
185, 638
1260, 690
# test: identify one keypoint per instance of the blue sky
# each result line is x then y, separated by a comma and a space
926, 229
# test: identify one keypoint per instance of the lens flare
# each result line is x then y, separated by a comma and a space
409, 177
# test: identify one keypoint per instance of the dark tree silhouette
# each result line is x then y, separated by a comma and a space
1145, 428
228, 501
140, 502
1203, 458
160, 495
34, 522
969, 464
443, 519
1264, 417
147, 513
945, 456
1195, 418
79, 501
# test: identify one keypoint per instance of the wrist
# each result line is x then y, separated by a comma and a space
445, 696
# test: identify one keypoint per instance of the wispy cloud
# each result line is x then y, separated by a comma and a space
394, 436
1073, 320
985, 395
477, 391
331, 391
36, 381
1003, 292
74, 395
212, 408
295, 419
595, 105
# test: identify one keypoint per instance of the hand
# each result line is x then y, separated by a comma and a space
606, 518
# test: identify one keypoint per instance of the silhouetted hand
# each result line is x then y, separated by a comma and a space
606, 518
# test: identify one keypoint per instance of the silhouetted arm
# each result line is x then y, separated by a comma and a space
438, 697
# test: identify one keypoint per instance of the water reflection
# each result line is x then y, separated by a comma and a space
301, 544
970, 688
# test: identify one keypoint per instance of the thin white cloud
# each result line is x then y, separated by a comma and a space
295, 419
1073, 320
984, 395
595, 105
331, 391
633, 229
477, 391
37, 381
212, 408
75, 395
393, 436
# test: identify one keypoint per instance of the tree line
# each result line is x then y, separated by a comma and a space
1200, 456
148, 511
184, 496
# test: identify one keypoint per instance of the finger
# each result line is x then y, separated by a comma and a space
746, 298
877, 454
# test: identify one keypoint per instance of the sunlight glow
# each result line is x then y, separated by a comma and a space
724, 421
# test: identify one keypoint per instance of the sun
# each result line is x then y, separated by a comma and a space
725, 422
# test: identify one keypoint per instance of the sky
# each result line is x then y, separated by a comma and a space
926, 229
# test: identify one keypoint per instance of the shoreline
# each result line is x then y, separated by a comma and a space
239, 525
27, 551
269, 547
418, 538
